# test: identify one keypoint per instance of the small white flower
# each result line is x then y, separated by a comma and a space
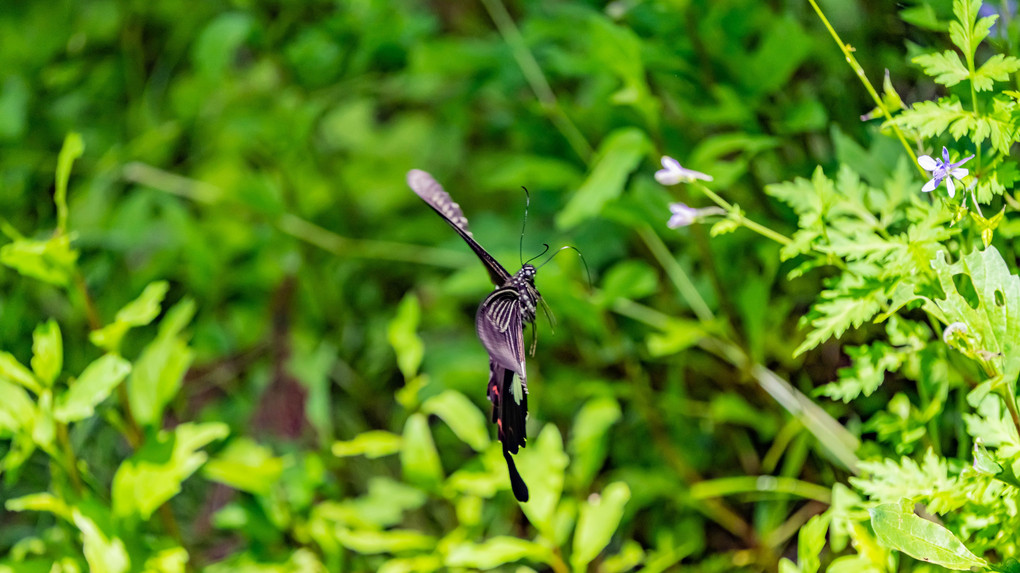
942, 169
681, 215
672, 173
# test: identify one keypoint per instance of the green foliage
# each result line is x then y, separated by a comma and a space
232, 340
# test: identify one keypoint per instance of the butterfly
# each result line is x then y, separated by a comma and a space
500, 323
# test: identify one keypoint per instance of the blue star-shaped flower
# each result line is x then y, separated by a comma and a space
942, 169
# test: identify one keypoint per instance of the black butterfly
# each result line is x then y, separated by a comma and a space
500, 325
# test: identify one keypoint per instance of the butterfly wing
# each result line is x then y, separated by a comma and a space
433, 193
501, 331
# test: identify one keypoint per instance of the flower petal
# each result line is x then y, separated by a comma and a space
926, 163
670, 163
950, 186
667, 177
930, 185
959, 172
945, 154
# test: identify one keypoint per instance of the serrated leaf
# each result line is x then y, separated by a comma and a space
463, 417
153, 475
618, 156
921, 539
835, 314
494, 552
811, 542
371, 444
866, 373
944, 67
94, 385
995, 69
599, 518
47, 352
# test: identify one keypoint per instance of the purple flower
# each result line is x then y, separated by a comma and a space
672, 173
682, 215
942, 169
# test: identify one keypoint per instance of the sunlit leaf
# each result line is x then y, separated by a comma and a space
418, 455
245, 465
47, 352
463, 417
94, 385
925, 540
372, 444
494, 552
599, 518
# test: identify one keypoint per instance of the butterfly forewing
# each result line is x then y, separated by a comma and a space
433, 193
500, 325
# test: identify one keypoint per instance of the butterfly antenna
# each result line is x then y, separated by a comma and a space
524, 224
578, 251
544, 251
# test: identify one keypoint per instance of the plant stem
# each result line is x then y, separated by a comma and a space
536, 78
856, 67
742, 220
676, 273
69, 458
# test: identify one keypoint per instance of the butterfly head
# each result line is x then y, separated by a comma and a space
524, 282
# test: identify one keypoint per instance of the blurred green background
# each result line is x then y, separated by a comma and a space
253, 154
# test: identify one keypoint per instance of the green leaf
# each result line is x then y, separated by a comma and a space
17, 410
138, 312
811, 542
403, 336
159, 370
418, 455
496, 551
964, 32
921, 539
93, 386
153, 475
463, 417
47, 352
618, 156
542, 465
417, 564
245, 465
371, 444
391, 541
867, 370
837, 312
104, 553
600, 516
629, 279
945, 67
40, 502
72, 149
588, 440
51, 261
676, 335
992, 324
888, 481
14, 371
996, 68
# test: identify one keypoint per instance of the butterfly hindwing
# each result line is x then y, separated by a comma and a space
433, 193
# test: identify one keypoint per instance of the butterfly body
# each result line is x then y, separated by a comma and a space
500, 323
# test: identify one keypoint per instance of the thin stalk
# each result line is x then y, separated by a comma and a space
676, 273
742, 220
856, 67
69, 458
536, 78
365, 248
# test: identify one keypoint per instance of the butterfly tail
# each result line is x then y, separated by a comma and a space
510, 419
